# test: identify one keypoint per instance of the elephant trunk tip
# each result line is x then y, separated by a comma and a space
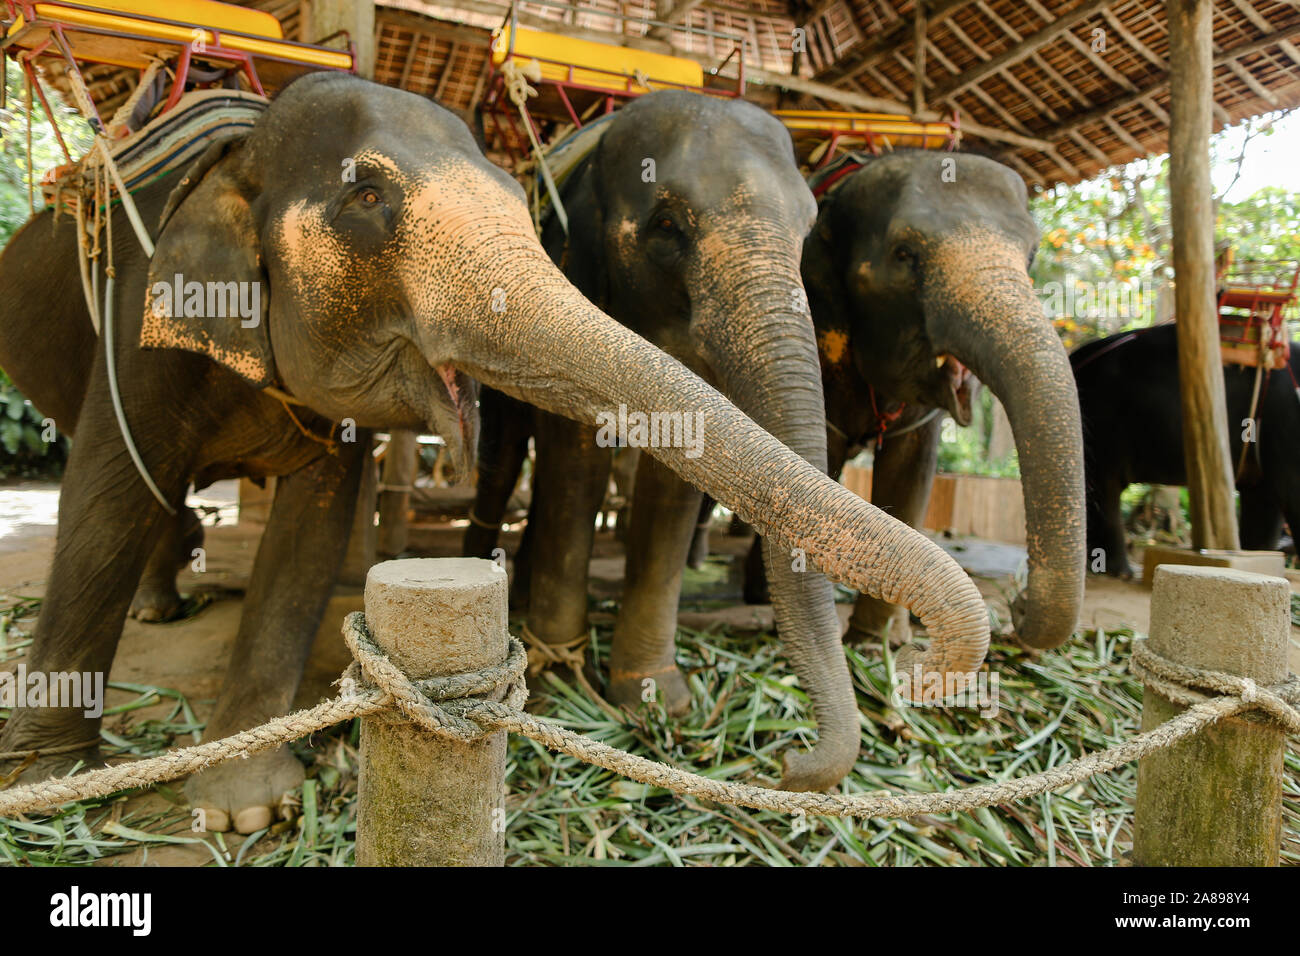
818, 769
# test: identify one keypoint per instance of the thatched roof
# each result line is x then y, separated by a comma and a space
1060, 89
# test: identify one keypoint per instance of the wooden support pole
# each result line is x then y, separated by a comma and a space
422, 800
395, 491
320, 18
1191, 207
918, 59
362, 538
1215, 799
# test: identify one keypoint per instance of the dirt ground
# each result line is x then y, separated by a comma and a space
190, 656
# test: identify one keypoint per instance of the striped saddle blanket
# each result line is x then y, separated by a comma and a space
167, 142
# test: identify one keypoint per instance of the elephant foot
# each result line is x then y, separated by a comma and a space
631, 688
156, 603
245, 795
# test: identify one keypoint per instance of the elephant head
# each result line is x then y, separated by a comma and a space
688, 228
394, 261
917, 269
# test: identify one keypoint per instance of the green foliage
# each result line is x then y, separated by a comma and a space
1114, 231
23, 450
23, 430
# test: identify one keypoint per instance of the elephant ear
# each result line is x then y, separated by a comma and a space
827, 296
207, 292
583, 260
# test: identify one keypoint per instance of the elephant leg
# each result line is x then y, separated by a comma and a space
1106, 536
623, 471
902, 475
504, 429
109, 525
756, 591
301, 553
699, 552
1261, 520
157, 599
664, 513
568, 488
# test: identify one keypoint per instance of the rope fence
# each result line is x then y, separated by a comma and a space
466, 707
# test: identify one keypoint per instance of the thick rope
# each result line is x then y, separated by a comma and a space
518, 90
442, 706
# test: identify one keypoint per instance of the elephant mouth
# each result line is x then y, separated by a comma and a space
455, 418
957, 385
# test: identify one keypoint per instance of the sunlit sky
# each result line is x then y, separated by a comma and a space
1270, 161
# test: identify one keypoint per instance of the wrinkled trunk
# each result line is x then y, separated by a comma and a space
519, 326
757, 336
982, 308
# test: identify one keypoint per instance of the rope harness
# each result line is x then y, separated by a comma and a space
466, 706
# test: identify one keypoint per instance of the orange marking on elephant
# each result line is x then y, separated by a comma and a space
834, 345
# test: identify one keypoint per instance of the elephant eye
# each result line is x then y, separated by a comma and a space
904, 254
665, 224
370, 197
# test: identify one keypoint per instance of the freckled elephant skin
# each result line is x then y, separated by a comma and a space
921, 255
702, 260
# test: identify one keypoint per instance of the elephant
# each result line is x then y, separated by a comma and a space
917, 274
685, 223
1133, 432
383, 294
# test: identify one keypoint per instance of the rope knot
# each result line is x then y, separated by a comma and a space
1192, 686
444, 706
542, 654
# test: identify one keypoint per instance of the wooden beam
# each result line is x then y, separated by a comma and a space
918, 58
1191, 209
1110, 107
1022, 49
1255, 86
862, 101
1127, 36
1086, 51
888, 39
446, 71
668, 11
416, 37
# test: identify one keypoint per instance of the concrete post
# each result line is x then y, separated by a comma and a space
424, 801
1215, 799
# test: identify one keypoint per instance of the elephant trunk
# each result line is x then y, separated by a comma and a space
983, 310
488, 295
757, 337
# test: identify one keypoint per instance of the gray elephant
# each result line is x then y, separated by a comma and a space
917, 273
686, 223
378, 297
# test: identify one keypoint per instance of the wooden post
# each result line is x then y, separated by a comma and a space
918, 60
1191, 208
361, 540
320, 18
422, 800
400, 465
1215, 799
